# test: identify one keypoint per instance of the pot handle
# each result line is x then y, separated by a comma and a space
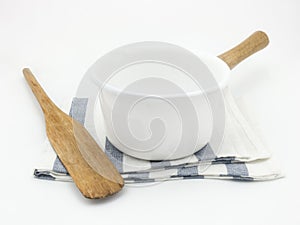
257, 41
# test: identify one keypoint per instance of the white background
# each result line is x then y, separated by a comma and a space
59, 40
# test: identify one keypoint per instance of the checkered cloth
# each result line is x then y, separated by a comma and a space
241, 157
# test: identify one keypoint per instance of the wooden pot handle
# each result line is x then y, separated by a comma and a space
257, 41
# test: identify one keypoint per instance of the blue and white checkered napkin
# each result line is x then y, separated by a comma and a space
241, 157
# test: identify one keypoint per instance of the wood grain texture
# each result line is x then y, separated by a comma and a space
252, 44
91, 170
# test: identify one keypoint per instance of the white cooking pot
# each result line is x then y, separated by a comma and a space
160, 101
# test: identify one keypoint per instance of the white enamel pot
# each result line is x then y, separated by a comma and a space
160, 101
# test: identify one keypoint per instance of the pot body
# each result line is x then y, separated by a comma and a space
155, 111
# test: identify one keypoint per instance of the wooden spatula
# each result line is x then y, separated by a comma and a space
91, 170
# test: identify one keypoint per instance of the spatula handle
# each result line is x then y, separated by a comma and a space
257, 41
44, 101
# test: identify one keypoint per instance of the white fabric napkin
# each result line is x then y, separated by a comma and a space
242, 156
